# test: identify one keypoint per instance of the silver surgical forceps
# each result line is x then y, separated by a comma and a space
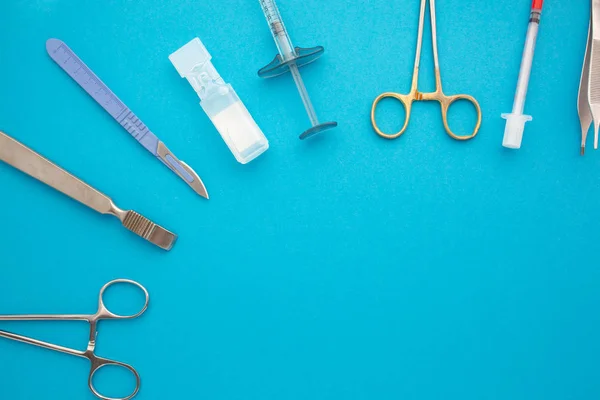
588, 105
96, 362
414, 95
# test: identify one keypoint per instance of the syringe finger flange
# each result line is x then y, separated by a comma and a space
315, 130
304, 56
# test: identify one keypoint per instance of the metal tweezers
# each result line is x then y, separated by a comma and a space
588, 105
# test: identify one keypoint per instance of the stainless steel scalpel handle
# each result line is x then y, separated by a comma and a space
26, 160
36, 166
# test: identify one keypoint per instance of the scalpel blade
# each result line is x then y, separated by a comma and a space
80, 73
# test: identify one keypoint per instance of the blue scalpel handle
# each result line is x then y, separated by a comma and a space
80, 73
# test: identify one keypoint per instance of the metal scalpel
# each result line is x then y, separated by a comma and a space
84, 76
26, 160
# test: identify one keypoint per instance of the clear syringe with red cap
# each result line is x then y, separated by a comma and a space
515, 121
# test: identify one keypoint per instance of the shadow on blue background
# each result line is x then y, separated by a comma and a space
344, 268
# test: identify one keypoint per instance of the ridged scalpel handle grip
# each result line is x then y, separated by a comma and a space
148, 230
85, 77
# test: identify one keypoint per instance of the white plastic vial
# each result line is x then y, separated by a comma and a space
220, 102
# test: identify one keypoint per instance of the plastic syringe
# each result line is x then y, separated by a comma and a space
515, 121
290, 58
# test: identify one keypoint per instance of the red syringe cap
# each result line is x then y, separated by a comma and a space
537, 4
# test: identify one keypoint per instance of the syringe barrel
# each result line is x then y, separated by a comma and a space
280, 35
527, 60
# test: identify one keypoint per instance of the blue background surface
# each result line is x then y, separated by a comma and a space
347, 267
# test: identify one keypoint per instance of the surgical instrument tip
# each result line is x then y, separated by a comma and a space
290, 59
583, 101
185, 172
592, 63
146, 229
180, 168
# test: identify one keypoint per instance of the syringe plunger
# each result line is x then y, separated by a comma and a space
515, 121
290, 59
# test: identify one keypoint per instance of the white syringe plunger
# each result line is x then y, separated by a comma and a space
515, 121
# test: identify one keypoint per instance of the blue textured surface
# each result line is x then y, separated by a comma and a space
348, 267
